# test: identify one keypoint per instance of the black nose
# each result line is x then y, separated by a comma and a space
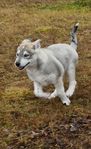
17, 64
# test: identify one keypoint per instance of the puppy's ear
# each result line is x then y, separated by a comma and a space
36, 44
26, 41
29, 39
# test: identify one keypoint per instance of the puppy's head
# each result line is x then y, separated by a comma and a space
25, 53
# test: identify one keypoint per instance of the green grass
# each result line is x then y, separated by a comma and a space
60, 6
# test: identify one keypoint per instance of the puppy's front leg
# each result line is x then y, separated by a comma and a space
39, 92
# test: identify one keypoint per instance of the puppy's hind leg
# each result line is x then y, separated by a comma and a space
72, 81
61, 93
53, 95
39, 92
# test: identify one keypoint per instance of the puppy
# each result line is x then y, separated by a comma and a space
47, 66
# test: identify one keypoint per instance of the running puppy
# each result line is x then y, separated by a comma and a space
47, 66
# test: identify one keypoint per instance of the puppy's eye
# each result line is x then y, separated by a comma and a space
26, 55
17, 54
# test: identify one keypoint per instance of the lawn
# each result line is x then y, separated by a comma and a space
27, 122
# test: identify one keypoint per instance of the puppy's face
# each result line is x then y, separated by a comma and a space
25, 54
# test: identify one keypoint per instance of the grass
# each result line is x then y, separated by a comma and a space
29, 122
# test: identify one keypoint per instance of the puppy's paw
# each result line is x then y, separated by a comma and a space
42, 95
53, 95
71, 89
66, 102
46, 95
69, 93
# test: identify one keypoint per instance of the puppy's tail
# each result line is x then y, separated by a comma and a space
74, 36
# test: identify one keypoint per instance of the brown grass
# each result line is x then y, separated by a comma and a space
29, 122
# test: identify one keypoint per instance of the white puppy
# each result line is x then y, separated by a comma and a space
47, 66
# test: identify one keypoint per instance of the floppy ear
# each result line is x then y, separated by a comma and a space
36, 44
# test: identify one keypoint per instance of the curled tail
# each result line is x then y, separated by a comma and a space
74, 36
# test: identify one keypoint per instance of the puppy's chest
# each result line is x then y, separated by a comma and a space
42, 78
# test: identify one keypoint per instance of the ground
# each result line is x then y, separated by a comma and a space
29, 122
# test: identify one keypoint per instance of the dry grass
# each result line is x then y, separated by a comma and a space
29, 122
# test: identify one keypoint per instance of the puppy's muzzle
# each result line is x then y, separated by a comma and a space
21, 67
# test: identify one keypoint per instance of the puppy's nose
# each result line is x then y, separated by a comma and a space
17, 64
